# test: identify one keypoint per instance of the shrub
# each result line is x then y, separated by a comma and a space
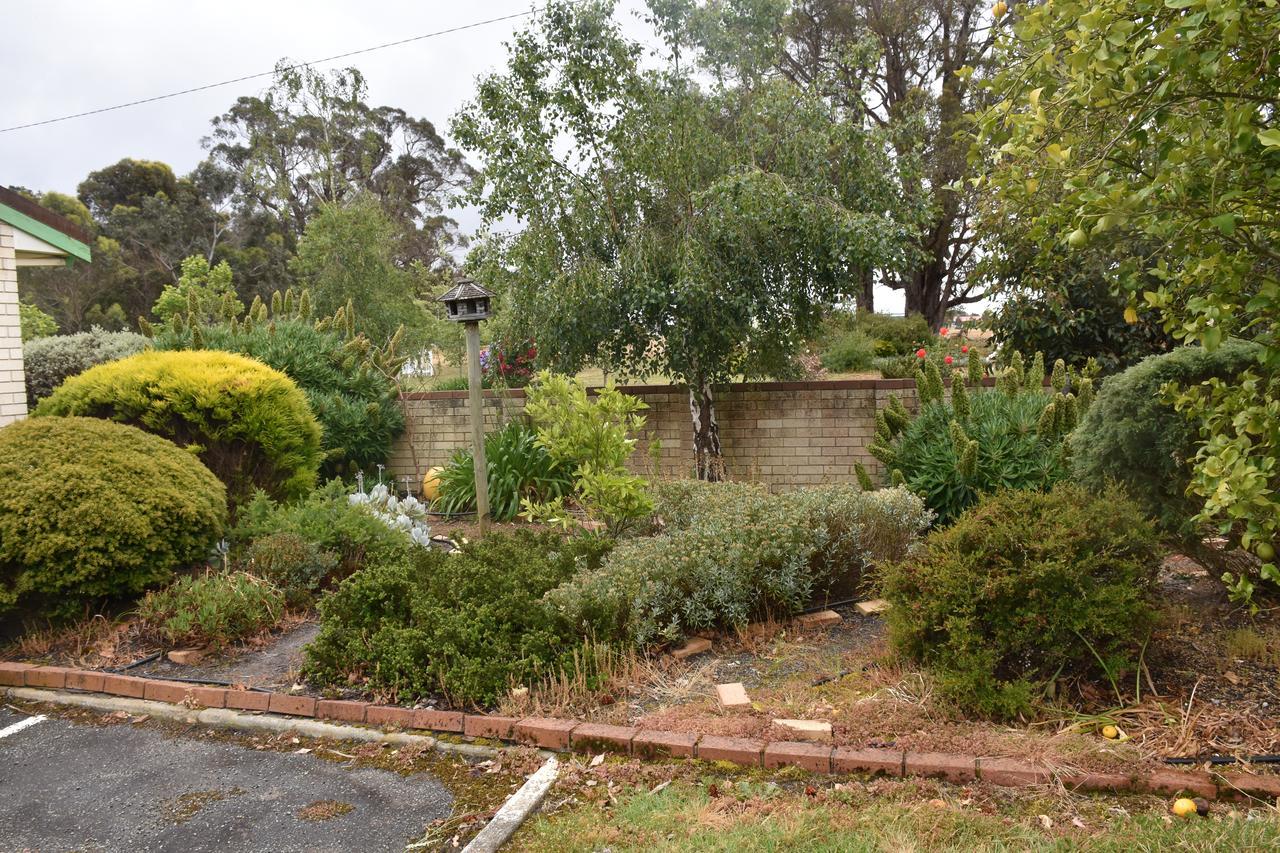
327, 519
957, 449
212, 609
1131, 435
467, 625
49, 361
297, 567
518, 469
894, 335
34, 323
250, 424
508, 362
355, 404
896, 366
405, 515
91, 509
1026, 588
733, 553
850, 352
595, 436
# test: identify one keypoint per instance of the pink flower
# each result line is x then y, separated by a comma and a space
947, 360
920, 353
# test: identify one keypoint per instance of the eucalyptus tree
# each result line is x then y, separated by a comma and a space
672, 220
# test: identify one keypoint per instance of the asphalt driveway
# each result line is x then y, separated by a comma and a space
68, 786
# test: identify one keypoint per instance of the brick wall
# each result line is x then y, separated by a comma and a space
13, 393
778, 433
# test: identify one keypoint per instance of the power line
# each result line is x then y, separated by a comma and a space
272, 71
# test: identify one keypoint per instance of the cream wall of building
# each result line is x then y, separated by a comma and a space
13, 391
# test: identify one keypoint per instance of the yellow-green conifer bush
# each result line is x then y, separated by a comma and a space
91, 509
249, 423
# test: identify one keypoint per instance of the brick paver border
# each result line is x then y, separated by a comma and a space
564, 735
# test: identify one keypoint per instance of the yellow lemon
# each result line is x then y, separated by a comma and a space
1077, 238
431, 484
1131, 315
1110, 732
1184, 807
999, 9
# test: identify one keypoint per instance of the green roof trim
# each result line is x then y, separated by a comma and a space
47, 233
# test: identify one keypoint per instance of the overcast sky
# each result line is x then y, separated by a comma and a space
62, 57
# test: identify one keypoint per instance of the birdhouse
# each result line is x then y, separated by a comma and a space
467, 302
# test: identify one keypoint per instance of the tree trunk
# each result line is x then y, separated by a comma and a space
706, 433
867, 298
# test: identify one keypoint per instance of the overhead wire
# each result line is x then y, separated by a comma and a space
273, 71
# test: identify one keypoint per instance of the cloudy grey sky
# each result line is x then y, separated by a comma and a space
62, 57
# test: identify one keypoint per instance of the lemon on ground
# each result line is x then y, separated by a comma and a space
1184, 807
1110, 732
1266, 551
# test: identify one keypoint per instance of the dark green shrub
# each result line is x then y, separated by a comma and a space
297, 567
466, 625
975, 442
212, 609
1131, 435
455, 383
895, 335
518, 468
896, 366
49, 361
248, 423
1026, 588
327, 519
851, 352
732, 554
355, 404
90, 509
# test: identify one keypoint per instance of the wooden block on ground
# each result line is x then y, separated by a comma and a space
696, 646
877, 605
821, 619
186, 657
733, 697
811, 730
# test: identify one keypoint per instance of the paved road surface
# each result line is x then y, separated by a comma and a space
70, 786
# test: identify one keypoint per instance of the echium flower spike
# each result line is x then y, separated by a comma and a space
883, 433
864, 479
288, 302
1018, 368
1007, 382
1046, 427
1059, 380
959, 397
975, 367
896, 477
1035, 374
969, 460
933, 375
1084, 394
959, 441
1068, 414
277, 302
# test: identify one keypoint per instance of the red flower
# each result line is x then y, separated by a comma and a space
964, 348
947, 360
920, 353
943, 331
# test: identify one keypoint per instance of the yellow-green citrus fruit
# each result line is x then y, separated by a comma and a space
1184, 807
1265, 551
1077, 238
1110, 732
431, 485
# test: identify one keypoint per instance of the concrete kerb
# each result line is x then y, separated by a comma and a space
223, 718
515, 810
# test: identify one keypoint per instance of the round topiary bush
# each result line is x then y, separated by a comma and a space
249, 423
1026, 588
49, 361
355, 404
1132, 436
91, 509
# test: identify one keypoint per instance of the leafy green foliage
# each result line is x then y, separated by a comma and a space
35, 323
666, 230
850, 352
957, 449
346, 256
1134, 436
1024, 589
202, 291
325, 518
48, 361
294, 565
1158, 119
354, 402
217, 608
250, 424
90, 509
594, 435
468, 625
519, 469
733, 553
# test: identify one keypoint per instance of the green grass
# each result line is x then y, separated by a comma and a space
685, 817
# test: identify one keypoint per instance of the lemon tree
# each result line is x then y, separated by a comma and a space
1159, 119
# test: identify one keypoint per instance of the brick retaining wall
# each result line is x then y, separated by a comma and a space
781, 434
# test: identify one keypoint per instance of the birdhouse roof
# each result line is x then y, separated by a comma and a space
465, 289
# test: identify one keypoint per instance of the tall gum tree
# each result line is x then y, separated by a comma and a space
673, 221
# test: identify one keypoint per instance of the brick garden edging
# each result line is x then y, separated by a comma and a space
575, 736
